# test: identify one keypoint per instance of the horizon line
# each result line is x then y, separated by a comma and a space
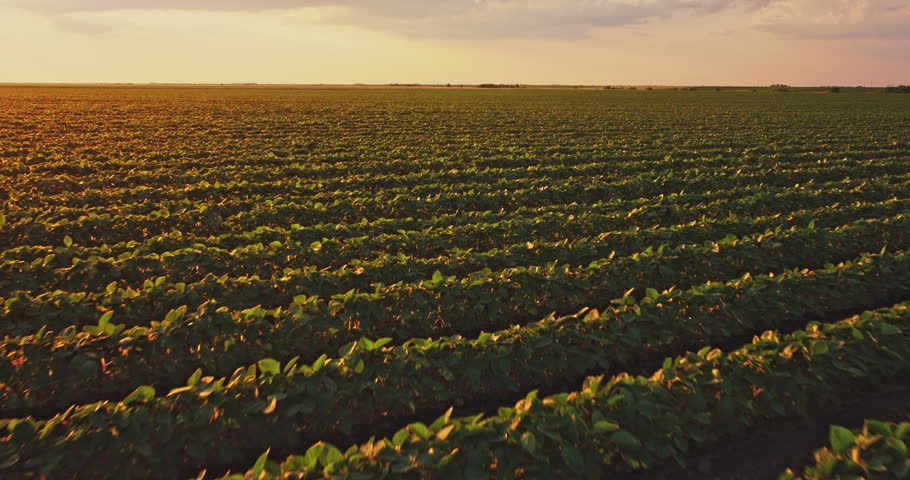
482, 85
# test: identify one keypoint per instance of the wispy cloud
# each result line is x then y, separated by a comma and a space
78, 24
832, 19
540, 18
533, 18
451, 18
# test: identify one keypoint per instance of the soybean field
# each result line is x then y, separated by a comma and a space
283, 283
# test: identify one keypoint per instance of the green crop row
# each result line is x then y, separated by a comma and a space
366, 227
228, 176
301, 179
753, 199
288, 181
105, 228
625, 423
51, 181
43, 369
75, 268
371, 385
58, 308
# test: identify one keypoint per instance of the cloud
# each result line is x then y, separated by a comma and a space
539, 18
397, 6
451, 18
77, 24
547, 18
834, 19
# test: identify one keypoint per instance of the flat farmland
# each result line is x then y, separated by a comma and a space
450, 283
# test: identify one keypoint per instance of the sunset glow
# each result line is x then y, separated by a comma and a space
671, 42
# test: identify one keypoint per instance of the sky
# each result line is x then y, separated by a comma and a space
595, 42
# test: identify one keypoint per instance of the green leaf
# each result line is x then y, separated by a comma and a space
313, 454
625, 440
420, 429
50, 424
444, 433
105, 319
573, 458
194, 378
529, 442
889, 329
903, 431
331, 455
67, 241
820, 347
442, 420
269, 366
446, 459
319, 363
23, 430
381, 342
604, 427
399, 438
141, 394
175, 314
841, 439
289, 365
259, 466
878, 427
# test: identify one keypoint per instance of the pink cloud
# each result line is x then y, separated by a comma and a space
545, 18
837, 18
451, 18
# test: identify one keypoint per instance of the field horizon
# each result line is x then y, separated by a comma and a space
478, 86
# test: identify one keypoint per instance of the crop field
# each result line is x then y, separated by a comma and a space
453, 283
